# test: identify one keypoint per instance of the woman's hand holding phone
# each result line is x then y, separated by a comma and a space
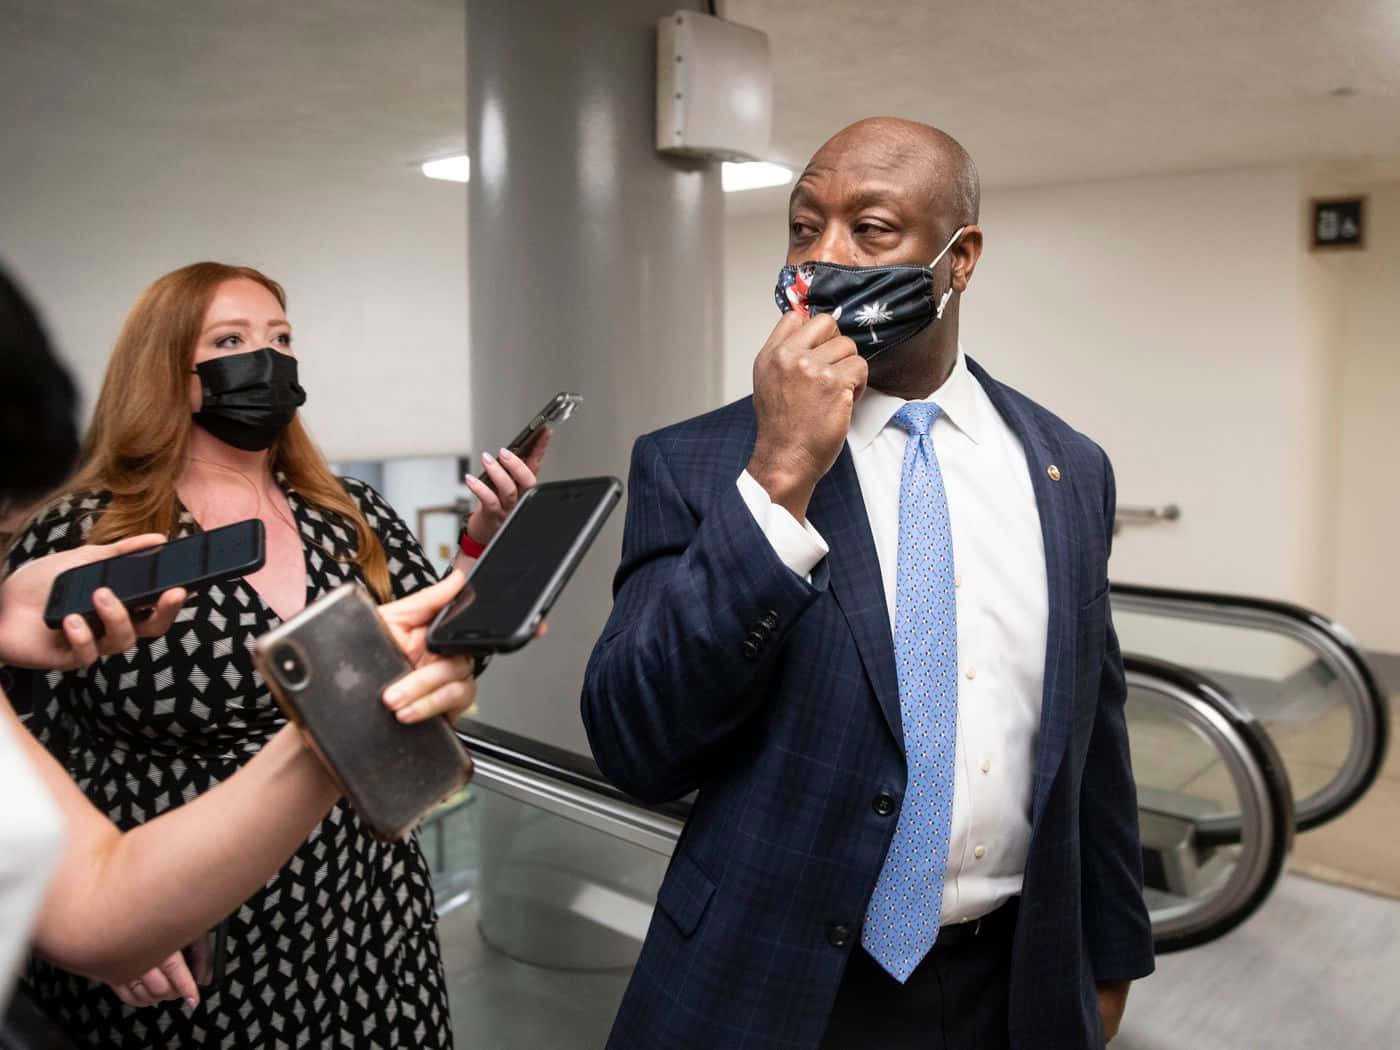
172, 979
439, 685
26, 642
511, 476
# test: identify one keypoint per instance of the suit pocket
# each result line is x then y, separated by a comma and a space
685, 894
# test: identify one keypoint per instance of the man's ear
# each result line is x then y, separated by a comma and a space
964, 255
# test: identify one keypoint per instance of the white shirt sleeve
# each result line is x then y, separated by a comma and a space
798, 546
31, 838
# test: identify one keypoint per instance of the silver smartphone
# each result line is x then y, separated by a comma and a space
328, 667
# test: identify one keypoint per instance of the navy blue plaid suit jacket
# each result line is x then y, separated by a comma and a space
787, 742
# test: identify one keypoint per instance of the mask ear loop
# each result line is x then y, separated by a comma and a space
938, 314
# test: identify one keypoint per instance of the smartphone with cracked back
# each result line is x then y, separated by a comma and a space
328, 667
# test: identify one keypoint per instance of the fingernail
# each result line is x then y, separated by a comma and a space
72, 621
392, 696
105, 598
507, 454
405, 714
488, 458
191, 1001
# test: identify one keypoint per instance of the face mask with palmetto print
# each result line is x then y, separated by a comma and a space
878, 307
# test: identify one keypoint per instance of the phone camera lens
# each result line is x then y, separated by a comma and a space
290, 667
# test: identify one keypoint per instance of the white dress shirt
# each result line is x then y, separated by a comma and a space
1003, 614
31, 836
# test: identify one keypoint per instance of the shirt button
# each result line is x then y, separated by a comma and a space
979, 852
883, 804
957, 581
986, 765
971, 672
838, 935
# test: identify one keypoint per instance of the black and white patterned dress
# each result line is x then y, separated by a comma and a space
340, 947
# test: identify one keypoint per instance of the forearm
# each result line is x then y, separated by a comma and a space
122, 902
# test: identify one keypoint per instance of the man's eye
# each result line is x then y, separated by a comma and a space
800, 229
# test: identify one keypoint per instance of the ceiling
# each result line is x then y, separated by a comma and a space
347, 85
1039, 92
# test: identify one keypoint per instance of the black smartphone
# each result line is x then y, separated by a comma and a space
205, 957
139, 578
328, 667
525, 566
561, 406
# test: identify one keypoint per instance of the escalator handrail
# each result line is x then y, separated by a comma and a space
555, 763
1276, 823
1330, 641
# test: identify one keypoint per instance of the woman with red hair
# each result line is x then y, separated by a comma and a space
197, 427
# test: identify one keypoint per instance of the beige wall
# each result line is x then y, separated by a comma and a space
1367, 325
375, 271
1181, 323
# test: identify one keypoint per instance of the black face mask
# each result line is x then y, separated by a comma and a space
878, 307
249, 398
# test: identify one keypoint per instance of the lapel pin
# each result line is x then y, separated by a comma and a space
1053, 471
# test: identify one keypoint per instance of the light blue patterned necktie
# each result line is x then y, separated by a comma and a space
901, 923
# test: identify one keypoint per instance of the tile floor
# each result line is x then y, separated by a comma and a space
1314, 969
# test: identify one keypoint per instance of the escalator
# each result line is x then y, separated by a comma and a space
549, 874
1300, 674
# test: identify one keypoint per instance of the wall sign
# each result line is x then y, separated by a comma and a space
1338, 223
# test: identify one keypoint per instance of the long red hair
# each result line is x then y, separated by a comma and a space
135, 446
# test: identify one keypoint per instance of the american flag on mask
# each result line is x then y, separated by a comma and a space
794, 282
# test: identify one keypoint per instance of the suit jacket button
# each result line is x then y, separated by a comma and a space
838, 935
750, 648
884, 804
770, 620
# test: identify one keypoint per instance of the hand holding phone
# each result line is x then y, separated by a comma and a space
138, 578
498, 487
526, 566
527, 444
328, 668
26, 640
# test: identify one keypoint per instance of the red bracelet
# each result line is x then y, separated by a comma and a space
470, 547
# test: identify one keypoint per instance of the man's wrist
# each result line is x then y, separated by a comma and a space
787, 488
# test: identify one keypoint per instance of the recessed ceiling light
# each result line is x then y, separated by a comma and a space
452, 169
754, 175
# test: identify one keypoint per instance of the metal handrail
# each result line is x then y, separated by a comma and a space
1330, 643
1130, 515
1264, 828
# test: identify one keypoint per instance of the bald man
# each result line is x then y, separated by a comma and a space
864, 616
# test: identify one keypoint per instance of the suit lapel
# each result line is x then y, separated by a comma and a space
1052, 499
837, 511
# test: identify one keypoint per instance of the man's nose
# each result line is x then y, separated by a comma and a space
834, 246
